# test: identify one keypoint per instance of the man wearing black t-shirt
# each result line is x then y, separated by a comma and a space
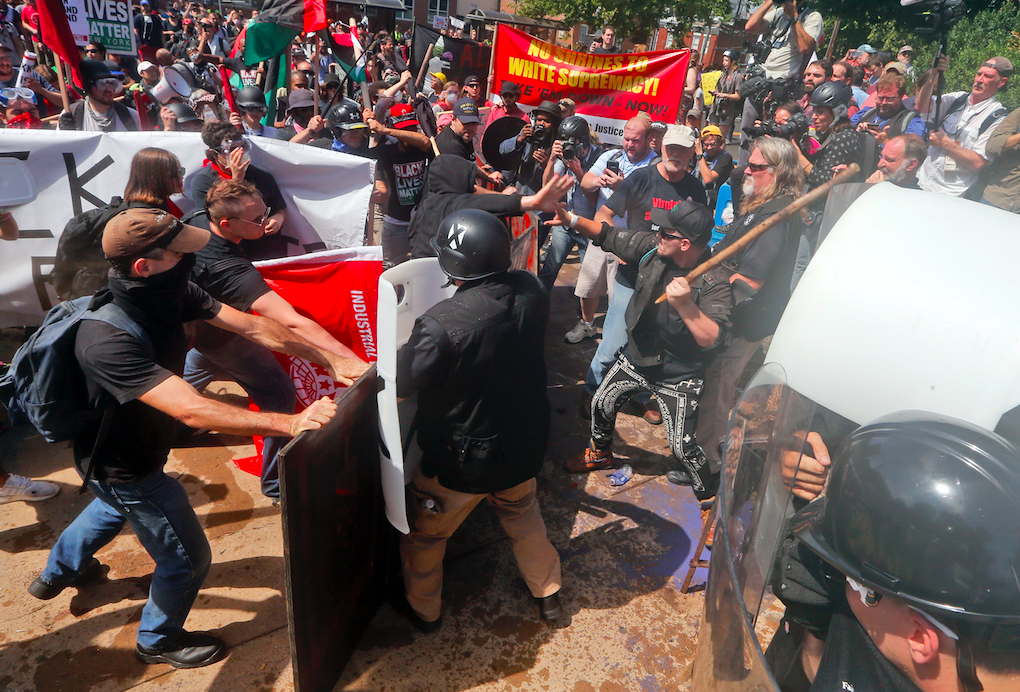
668, 345
457, 138
661, 186
136, 373
761, 279
235, 212
403, 156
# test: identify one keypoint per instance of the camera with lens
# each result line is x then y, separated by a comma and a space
797, 126
571, 149
541, 136
936, 15
758, 89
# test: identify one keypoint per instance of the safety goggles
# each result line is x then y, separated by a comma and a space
105, 83
227, 147
180, 171
261, 110
15, 93
871, 598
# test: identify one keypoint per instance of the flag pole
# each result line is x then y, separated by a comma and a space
58, 64
315, 75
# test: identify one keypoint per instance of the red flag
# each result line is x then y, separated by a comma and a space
339, 289
55, 32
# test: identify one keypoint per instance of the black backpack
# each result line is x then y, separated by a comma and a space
870, 152
81, 268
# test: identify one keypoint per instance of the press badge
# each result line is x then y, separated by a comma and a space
950, 164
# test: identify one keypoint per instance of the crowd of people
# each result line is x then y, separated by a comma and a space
640, 216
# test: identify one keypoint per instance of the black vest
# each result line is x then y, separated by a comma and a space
485, 428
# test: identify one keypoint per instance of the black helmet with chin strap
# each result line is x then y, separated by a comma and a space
472, 244
924, 508
251, 97
834, 95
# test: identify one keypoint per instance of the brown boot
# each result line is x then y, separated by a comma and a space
706, 510
592, 460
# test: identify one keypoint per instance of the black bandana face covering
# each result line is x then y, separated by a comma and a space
155, 302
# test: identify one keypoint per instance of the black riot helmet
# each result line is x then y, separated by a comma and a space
472, 244
184, 113
575, 129
834, 95
251, 97
343, 116
924, 508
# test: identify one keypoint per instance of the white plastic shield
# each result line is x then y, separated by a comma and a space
405, 292
911, 302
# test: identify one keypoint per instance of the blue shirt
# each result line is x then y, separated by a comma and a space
915, 126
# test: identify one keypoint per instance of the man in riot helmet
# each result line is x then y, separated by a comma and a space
348, 129
477, 363
252, 104
572, 154
917, 535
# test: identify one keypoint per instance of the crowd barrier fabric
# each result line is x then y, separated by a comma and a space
327, 196
608, 89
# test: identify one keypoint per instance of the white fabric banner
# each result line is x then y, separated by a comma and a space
327, 196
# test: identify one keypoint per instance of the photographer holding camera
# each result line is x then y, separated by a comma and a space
572, 154
790, 34
536, 139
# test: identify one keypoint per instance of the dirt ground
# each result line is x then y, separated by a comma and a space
625, 552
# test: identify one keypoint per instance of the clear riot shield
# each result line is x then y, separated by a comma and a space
765, 445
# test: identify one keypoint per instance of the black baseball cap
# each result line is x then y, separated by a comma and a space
466, 111
689, 219
472, 79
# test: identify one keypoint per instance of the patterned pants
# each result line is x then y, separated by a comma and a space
678, 404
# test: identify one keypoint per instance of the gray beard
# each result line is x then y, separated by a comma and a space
898, 177
747, 187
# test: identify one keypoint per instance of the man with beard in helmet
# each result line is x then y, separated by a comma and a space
477, 362
902, 577
252, 104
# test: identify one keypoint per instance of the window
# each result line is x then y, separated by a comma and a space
438, 7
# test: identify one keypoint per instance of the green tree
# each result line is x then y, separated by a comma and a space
634, 18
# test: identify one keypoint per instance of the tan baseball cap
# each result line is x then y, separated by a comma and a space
679, 134
134, 232
1002, 65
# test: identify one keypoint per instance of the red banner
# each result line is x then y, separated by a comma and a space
608, 89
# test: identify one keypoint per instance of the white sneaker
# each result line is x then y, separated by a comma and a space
20, 488
582, 331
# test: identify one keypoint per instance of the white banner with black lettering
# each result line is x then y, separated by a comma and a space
327, 196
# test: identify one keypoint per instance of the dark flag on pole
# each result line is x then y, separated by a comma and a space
456, 58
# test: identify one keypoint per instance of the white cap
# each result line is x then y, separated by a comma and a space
679, 134
144, 65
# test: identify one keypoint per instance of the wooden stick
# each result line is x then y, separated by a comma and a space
832, 41
818, 193
315, 75
424, 65
58, 63
358, 50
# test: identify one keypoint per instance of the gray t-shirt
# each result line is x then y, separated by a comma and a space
785, 60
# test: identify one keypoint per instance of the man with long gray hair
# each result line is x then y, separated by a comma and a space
760, 281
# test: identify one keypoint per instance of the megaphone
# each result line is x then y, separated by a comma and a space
172, 85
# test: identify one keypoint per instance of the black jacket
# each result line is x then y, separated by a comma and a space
449, 187
477, 361
711, 292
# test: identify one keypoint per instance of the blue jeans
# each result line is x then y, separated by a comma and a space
614, 337
158, 510
561, 242
256, 369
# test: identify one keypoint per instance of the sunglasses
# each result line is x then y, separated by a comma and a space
91, 51
669, 236
261, 222
758, 167
180, 171
228, 147
868, 597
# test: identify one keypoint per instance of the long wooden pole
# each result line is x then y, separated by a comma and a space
315, 75
58, 63
752, 235
424, 65
832, 41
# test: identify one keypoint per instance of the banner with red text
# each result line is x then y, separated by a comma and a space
608, 89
